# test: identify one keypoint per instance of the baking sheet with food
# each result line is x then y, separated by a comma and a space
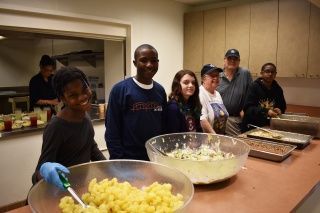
268, 150
300, 140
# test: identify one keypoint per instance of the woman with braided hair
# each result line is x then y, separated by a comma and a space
68, 138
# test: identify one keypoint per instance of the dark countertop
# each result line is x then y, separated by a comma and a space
10, 95
8, 92
95, 118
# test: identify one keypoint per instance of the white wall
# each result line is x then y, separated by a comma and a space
301, 91
14, 67
157, 22
114, 65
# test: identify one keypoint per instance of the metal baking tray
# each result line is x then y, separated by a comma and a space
297, 123
300, 140
268, 150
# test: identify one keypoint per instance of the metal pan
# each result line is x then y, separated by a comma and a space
297, 123
299, 140
269, 150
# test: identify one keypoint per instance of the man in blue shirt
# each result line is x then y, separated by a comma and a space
234, 84
135, 109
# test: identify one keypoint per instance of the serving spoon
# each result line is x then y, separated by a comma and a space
67, 186
273, 134
156, 149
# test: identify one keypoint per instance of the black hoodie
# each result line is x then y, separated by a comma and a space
259, 100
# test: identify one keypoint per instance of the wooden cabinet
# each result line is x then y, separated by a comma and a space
237, 31
214, 42
263, 35
193, 41
314, 43
284, 32
293, 38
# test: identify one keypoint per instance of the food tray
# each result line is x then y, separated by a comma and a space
297, 123
268, 150
300, 140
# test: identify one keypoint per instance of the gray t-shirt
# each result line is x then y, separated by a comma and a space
234, 92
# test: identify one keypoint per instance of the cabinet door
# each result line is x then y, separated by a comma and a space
293, 38
263, 35
237, 31
193, 41
214, 43
314, 43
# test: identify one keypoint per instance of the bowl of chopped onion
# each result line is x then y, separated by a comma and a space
117, 186
204, 158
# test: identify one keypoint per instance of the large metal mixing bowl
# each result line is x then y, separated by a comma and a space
202, 171
44, 197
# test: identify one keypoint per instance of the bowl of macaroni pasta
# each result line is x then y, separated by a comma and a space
117, 186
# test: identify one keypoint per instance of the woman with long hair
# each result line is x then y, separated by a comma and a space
184, 109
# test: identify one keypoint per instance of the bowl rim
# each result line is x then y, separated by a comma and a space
186, 203
148, 143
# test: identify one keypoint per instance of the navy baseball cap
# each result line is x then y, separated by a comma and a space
209, 68
232, 53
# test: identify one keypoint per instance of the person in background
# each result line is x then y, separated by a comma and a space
40, 86
214, 114
68, 138
135, 110
184, 108
234, 84
264, 100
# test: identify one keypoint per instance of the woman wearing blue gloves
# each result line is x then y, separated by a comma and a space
68, 138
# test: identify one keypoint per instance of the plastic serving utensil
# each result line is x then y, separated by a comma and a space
67, 186
273, 134
156, 149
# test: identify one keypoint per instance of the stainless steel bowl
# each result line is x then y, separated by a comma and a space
202, 171
44, 197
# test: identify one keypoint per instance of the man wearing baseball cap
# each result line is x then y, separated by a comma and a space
214, 115
234, 84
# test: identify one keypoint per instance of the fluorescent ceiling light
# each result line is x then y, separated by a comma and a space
2, 37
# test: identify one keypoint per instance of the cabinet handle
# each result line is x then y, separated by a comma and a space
317, 76
310, 76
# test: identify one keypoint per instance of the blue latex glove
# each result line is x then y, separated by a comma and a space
49, 172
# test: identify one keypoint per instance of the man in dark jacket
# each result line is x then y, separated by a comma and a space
264, 99
40, 86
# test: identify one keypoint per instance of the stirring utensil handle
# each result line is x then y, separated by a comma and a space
75, 196
67, 185
160, 151
260, 128
64, 180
